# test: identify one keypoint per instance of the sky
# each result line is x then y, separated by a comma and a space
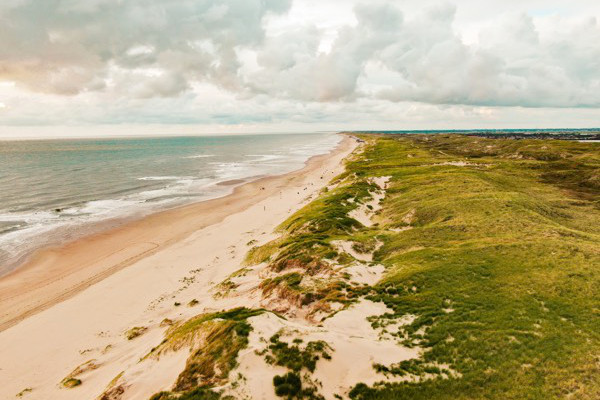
126, 67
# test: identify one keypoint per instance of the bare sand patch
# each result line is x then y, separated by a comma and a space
365, 212
365, 274
348, 248
356, 346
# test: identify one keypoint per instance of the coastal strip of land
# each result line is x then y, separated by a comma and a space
407, 267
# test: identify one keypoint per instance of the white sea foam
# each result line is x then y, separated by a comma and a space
29, 217
103, 207
232, 170
163, 178
19, 242
266, 158
202, 156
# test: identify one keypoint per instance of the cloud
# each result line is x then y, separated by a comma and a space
68, 47
512, 64
230, 61
427, 61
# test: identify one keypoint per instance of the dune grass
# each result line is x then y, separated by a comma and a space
71, 382
196, 394
300, 360
494, 246
505, 280
135, 332
215, 340
296, 356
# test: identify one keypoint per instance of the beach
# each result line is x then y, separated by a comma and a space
379, 270
54, 273
72, 303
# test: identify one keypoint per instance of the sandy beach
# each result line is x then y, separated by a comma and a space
54, 274
72, 304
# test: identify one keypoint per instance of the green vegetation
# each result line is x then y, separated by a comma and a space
135, 332
494, 246
196, 394
288, 385
291, 386
289, 281
308, 243
240, 272
216, 339
202, 394
113, 390
322, 291
492, 257
71, 382
412, 367
297, 358
293, 356
501, 266
260, 254
186, 330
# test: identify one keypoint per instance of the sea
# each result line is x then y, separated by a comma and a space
52, 191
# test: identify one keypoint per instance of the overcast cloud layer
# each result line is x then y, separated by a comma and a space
290, 63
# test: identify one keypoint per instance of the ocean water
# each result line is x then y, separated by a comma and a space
53, 190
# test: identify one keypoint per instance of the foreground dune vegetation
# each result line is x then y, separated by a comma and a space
486, 253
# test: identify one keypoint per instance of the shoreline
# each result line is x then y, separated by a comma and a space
54, 274
92, 228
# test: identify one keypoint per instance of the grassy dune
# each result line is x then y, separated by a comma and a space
505, 259
216, 339
491, 248
494, 246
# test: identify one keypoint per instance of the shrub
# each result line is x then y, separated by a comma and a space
289, 385
135, 332
71, 382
